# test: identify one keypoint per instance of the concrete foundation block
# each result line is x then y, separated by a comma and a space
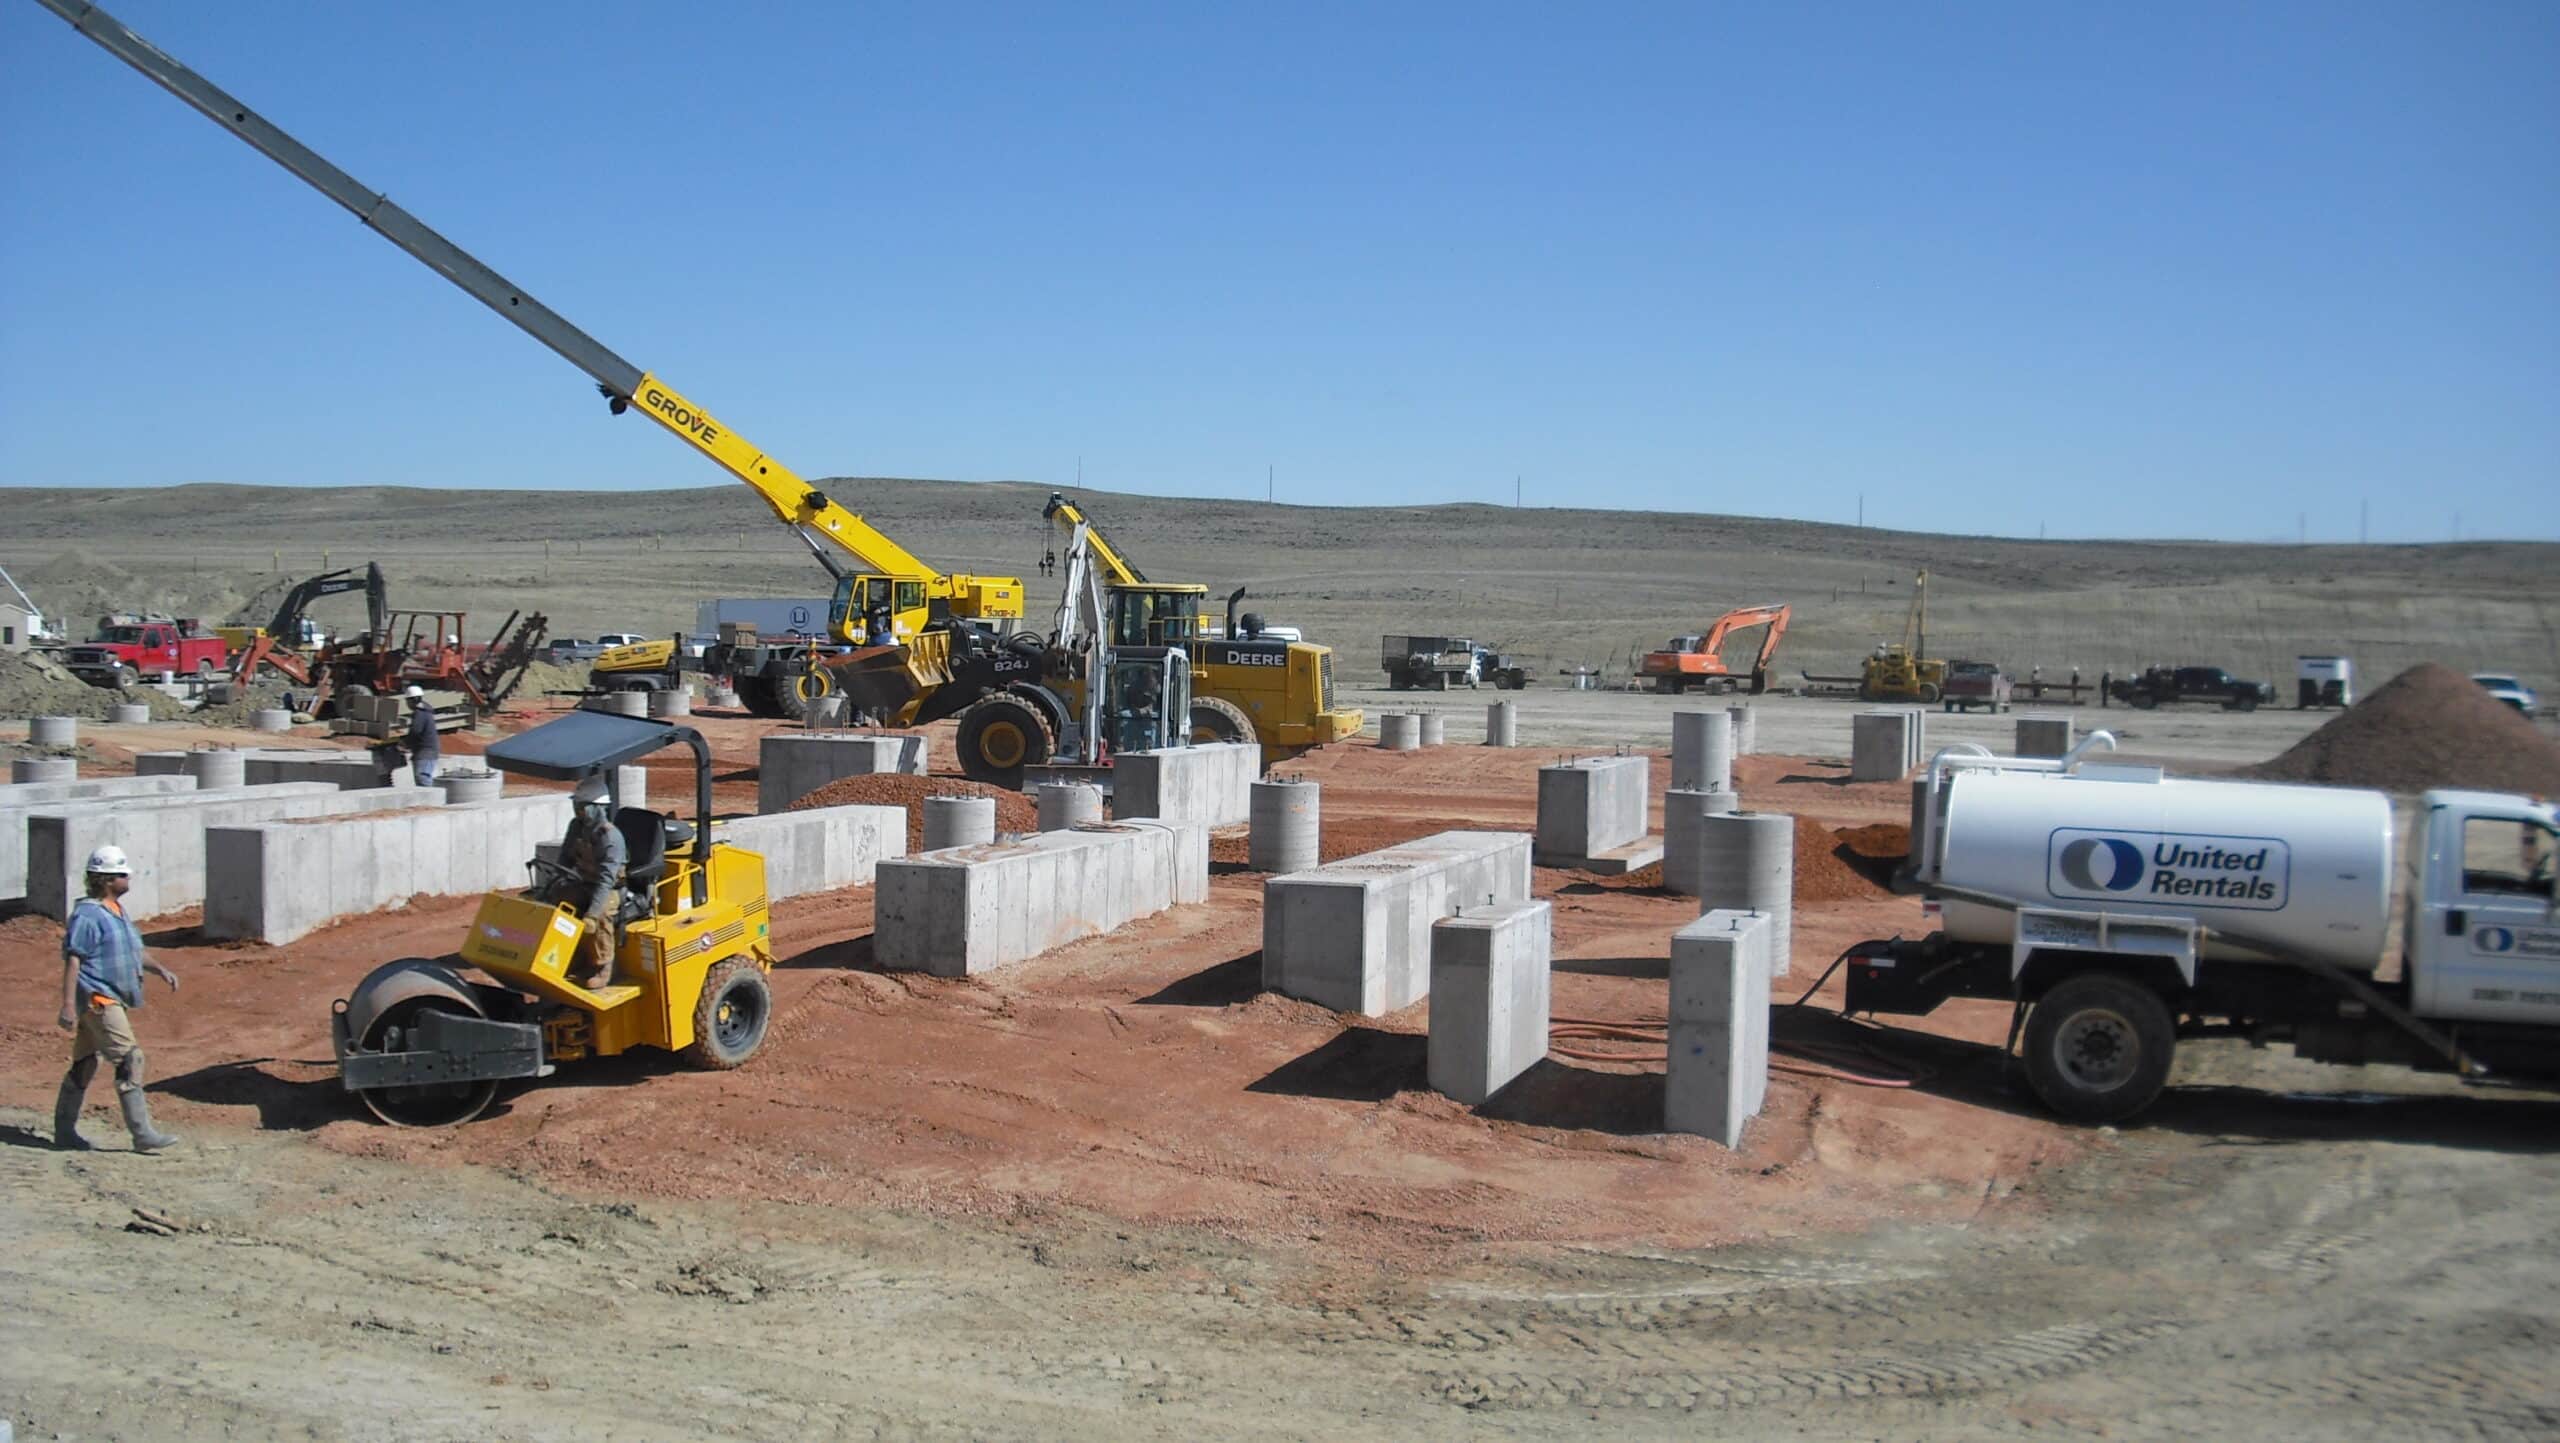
1702, 751
1400, 731
958, 822
1591, 815
1067, 805
127, 714
2043, 734
624, 703
43, 770
270, 719
1435, 729
462, 789
823, 849
791, 765
53, 731
673, 702
1211, 784
1880, 745
224, 767
1747, 863
1489, 986
1684, 815
165, 837
1355, 935
1718, 1075
277, 882
19, 798
972, 909
339, 767
722, 696
1502, 724
1287, 826
1746, 728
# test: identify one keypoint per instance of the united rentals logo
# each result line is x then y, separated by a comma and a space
2243, 872
2505, 941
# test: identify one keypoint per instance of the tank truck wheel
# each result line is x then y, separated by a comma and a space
2098, 1047
730, 1018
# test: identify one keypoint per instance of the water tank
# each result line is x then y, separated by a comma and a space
2307, 869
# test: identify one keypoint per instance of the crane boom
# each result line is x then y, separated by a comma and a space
792, 500
1116, 569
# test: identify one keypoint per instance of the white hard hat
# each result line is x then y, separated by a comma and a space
591, 790
415, 693
109, 861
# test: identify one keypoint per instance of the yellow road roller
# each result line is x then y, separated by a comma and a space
425, 1042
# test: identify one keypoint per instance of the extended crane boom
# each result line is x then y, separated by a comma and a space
793, 501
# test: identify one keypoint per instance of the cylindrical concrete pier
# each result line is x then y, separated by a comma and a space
54, 731
1435, 728
676, 701
2043, 734
624, 703
44, 769
1064, 805
1684, 814
723, 696
463, 788
1747, 862
1287, 827
271, 719
217, 767
128, 714
1502, 724
1746, 728
829, 711
1399, 731
1701, 750
958, 822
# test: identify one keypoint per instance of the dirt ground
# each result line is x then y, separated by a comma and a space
1118, 1190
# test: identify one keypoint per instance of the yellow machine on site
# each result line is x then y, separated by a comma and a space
1902, 671
955, 615
1244, 687
425, 1043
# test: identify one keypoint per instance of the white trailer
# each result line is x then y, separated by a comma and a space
772, 617
2120, 909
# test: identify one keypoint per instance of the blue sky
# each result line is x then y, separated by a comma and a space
2182, 269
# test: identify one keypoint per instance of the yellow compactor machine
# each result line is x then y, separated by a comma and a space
426, 1043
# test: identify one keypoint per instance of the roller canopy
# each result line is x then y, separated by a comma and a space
585, 743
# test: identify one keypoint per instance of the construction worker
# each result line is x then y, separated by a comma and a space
879, 630
102, 965
421, 740
595, 857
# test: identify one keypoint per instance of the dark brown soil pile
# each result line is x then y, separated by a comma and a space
32, 686
1014, 811
2430, 726
1821, 874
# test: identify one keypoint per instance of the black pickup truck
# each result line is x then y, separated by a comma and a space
2190, 683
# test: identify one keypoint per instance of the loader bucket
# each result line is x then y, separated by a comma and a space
890, 680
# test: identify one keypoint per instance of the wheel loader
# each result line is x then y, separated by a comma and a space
425, 1042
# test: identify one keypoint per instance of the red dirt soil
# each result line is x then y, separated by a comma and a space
2430, 726
1014, 811
1142, 1076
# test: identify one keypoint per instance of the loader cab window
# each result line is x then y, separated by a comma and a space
1141, 617
2502, 857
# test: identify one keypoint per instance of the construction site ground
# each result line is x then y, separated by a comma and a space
1119, 1190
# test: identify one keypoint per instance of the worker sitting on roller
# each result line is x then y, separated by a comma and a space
592, 859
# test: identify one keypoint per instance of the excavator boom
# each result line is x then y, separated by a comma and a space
792, 500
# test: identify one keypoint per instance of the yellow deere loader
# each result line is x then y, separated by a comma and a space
424, 1043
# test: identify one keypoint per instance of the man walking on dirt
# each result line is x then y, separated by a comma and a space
102, 965
421, 740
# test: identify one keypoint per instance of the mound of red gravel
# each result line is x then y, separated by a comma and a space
2430, 726
1014, 811
1821, 874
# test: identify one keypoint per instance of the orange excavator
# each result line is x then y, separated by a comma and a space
1696, 663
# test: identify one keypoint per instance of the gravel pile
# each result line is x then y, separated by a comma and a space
1014, 811
2430, 726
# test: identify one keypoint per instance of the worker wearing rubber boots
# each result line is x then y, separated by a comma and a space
102, 965
595, 856
422, 742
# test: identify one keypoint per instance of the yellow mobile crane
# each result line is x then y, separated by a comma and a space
1902, 671
1244, 688
956, 614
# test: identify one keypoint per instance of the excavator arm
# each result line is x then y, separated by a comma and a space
819, 519
1115, 568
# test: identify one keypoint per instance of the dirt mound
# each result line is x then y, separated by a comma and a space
1014, 811
2430, 726
1822, 874
33, 686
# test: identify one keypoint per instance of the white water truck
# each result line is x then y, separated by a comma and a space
2120, 909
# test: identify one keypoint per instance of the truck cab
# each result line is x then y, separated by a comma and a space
2483, 924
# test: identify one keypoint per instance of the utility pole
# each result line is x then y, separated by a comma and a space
1270, 483
1862, 510
2302, 528
2364, 514
1515, 492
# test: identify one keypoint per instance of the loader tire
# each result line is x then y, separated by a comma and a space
731, 1016
1214, 719
2098, 1047
1928, 692
999, 736
796, 690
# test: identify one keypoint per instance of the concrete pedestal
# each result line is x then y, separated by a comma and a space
1718, 1073
44, 769
1489, 987
1502, 724
958, 822
1355, 935
1684, 815
957, 913
1746, 729
1067, 805
1435, 729
127, 714
1400, 731
1211, 784
2043, 734
1702, 751
1880, 746
1747, 863
1286, 827
53, 731
791, 765
1591, 815
675, 702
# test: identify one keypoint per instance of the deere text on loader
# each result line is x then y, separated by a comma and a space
425, 1043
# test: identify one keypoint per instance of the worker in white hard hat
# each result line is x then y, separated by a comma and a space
595, 858
420, 739
103, 962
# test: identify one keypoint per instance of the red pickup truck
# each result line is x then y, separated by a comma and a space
125, 651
